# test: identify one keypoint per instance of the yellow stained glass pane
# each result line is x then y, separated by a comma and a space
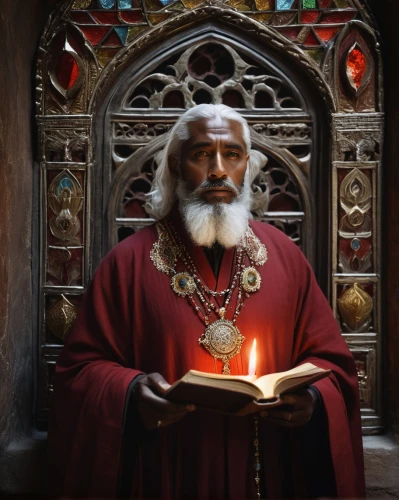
261, 17
104, 55
316, 54
157, 18
240, 4
153, 5
81, 4
341, 4
134, 31
264, 4
178, 6
191, 4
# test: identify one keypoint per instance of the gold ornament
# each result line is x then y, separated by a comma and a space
223, 340
251, 280
60, 317
183, 284
355, 306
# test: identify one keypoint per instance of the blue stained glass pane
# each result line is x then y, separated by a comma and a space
121, 31
107, 4
125, 4
166, 2
284, 4
65, 182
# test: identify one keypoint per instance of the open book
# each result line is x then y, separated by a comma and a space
229, 393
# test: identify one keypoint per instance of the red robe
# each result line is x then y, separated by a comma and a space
132, 322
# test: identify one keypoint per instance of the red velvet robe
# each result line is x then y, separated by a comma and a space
132, 322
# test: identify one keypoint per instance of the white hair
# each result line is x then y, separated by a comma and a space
163, 193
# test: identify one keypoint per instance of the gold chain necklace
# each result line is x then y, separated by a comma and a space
221, 338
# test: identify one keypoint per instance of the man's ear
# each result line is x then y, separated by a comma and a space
173, 165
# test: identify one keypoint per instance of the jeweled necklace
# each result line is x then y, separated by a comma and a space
221, 338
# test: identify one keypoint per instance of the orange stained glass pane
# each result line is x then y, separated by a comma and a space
131, 16
94, 34
309, 16
264, 4
356, 66
261, 17
157, 18
104, 55
66, 70
104, 17
326, 34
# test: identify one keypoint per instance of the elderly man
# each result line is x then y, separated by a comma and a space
192, 292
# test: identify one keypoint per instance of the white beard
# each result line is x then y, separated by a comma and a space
224, 223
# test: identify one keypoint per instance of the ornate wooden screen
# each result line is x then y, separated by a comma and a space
114, 75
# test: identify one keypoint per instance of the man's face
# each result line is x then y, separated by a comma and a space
215, 153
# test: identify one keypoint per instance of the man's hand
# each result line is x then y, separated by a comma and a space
296, 411
154, 410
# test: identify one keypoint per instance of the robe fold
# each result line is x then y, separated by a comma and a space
131, 322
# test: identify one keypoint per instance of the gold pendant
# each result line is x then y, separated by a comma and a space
250, 279
183, 284
223, 340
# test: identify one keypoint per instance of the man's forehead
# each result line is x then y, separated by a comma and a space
214, 126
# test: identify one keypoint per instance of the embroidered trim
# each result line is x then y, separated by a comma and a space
164, 253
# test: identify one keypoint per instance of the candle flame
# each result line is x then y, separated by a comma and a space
252, 360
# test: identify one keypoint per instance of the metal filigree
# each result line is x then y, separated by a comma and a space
66, 145
356, 306
251, 279
183, 284
65, 198
223, 340
164, 253
256, 250
355, 199
60, 317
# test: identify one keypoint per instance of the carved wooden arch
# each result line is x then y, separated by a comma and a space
70, 168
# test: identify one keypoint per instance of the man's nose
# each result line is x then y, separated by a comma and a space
216, 168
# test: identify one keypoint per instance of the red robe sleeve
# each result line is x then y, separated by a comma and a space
91, 383
319, 341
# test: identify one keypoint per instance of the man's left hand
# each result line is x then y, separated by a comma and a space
296, 411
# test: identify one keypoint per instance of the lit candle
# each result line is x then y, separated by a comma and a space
252, 360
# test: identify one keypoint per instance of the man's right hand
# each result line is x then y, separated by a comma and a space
155, 411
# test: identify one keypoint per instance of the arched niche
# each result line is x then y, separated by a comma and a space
326, 146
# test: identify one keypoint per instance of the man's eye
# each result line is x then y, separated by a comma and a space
233, 154
201, 153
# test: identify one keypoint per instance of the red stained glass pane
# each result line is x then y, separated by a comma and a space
112, 40
309, 17
326, 34
290, 32
95, 34
311, 40
106, 17
131, 17
81, 18
338, 17
323, 4
66, 70
356, 66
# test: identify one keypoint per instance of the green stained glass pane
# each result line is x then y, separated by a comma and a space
309, 4
316, 54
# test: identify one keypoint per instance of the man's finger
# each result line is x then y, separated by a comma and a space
157, 382
162, 405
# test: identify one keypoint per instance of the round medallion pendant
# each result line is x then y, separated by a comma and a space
223, 340
250, 279
183, 284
